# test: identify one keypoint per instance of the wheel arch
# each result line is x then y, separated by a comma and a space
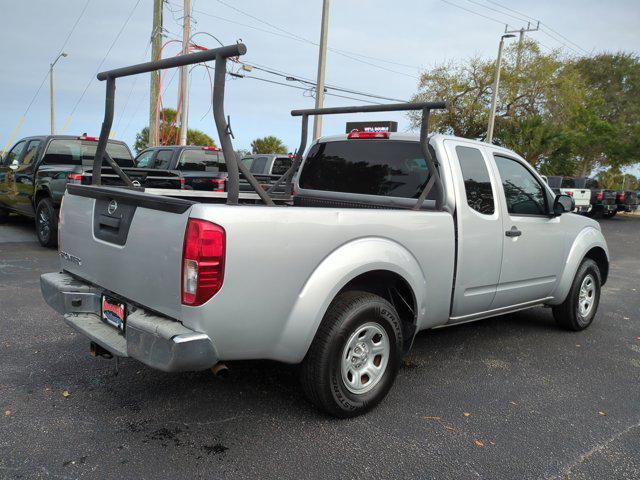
589, 243
355, 265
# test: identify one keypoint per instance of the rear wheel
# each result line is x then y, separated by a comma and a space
46, 223
355, 355
579, 308
610, 214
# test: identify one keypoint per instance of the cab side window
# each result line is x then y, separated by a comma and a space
32, 151
144, 159
15, 153
524, 194
477, 183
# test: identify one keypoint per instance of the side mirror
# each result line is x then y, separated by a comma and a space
563, 204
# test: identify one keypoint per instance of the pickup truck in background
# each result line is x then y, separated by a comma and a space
388, 234
198, 168
603, 201
567, 186
626, 201
266, 168
35, 172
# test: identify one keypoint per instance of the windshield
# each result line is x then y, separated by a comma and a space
372, 167
70, 151
202, 160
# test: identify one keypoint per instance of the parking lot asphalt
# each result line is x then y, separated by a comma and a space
512, 397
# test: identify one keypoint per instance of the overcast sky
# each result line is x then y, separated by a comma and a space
410, 33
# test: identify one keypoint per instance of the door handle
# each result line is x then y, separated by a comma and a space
514, 232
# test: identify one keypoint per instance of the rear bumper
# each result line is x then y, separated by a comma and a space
582, 208
155, 340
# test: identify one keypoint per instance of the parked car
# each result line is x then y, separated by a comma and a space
626, 201
199, 168
567, 186
603, 201
266, 168
389, 234
35, 172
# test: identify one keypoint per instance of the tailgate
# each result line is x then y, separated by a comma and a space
126, 241
581, 196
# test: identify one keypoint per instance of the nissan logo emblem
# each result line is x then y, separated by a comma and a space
113, 206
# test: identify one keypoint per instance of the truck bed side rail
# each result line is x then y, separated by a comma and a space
220, 55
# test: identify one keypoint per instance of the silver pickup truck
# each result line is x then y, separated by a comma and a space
387, 235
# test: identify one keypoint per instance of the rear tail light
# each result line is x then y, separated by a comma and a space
75, 178
570, 193
621, 197
599, 196
354, 135
59, 221
202, 261
182, 182
218, 184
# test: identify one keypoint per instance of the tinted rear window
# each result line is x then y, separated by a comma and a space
69, 151
568, 183
371, 167
281, 165
202, 160
554, 182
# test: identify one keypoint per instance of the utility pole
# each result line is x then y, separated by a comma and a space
156, 50
521, 33
322, 61
496, 83
51, 65
184, 74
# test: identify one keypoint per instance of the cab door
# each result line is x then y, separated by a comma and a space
7, 178
479, 230
24, 178
533, 241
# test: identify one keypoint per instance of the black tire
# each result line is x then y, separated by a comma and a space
596, 212
321, 372
46, 223
568, 314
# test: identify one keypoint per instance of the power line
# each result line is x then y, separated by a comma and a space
475, 13
104, 58
344, 53
306, 40
542, 23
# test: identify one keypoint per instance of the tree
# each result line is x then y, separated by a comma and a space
565, 116
169, 133
268, 144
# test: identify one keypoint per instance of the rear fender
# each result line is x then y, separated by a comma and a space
331, 275
587, 239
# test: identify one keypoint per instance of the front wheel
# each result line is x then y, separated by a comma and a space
579, 308
46, 223
355, 355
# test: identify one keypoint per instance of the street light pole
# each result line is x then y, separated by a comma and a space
496, 83
322, 60
51, 65
184, 75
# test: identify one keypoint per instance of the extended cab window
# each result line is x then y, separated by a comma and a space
202, 160
70, 151
524, 194
163, 159
568, 183
388, 168
477, 183
281, 165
